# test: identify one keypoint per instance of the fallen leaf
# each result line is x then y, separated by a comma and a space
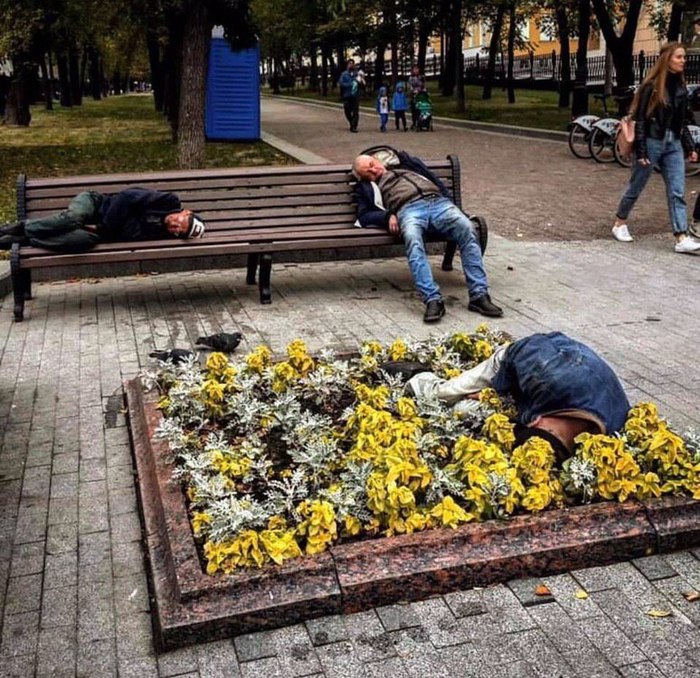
542, 590
581, 594
692, 596
659, 613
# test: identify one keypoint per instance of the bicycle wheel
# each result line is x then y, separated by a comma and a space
578, 141
622, 160
601, 145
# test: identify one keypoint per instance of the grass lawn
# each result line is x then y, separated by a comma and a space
532, 108
117, 134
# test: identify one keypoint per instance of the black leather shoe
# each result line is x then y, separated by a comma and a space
406, 368
6, 241
434, 310
485, 306
12, 228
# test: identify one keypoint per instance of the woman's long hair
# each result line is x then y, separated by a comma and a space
656, 77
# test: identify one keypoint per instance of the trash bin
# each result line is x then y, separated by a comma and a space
232, 109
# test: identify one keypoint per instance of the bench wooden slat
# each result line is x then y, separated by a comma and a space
202, 175
214, 249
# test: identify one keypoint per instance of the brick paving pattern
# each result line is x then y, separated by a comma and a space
73, 589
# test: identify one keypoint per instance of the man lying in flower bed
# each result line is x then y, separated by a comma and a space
281, 459
561, 388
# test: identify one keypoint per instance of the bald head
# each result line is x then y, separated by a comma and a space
368, 168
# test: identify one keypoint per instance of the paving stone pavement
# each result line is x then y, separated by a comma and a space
73, 588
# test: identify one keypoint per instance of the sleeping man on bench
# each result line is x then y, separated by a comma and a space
91, 218
414, 202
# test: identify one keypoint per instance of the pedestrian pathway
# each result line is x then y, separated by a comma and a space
73, 590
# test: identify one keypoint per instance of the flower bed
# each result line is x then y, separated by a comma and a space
286, 458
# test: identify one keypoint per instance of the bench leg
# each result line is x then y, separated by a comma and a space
27, 275
264, 284
18, 283
450, 249
252, 269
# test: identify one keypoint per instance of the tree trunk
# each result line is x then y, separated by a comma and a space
620, 46
83, 71
673, 32
564, 57
95, 74
63, 81
394, 61
379, 65
313, 69
511, 51
193, 81
17, 110
76, 94
459, 60
46, 83
172, 61
608, 82
423, 36
157, 75
324, 69
580, 102
493, 51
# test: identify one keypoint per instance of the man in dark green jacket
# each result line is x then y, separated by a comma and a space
91, 218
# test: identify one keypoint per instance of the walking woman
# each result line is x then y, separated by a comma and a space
660, 109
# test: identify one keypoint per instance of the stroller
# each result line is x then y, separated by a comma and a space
424, 107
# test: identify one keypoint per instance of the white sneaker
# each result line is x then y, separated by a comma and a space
687, 245
622, 233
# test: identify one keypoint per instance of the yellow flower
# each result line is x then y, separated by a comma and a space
351, 526
448, 513
216, 363
499, 429
280, 545
398, 350
299, 358
199, 520
259, 359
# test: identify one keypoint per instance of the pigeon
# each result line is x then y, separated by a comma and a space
223, 341
175, 355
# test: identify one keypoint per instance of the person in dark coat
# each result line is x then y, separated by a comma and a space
130, 215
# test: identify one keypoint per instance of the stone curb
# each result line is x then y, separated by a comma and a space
190, 606
491, 127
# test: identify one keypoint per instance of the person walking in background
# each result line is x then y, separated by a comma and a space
383, 108
660, 111
350, 94
416, 84
399, 104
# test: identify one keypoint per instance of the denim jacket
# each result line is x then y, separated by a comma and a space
552, 374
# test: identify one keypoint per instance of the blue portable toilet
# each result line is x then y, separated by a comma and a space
232, 109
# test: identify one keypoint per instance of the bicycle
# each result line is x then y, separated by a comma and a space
581, 128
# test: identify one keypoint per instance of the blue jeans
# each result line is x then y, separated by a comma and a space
440, 216
667, 153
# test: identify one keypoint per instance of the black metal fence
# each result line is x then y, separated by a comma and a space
541, 71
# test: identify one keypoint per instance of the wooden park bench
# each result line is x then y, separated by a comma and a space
257, 211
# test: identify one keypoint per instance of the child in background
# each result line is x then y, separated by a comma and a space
399, 104
383, 108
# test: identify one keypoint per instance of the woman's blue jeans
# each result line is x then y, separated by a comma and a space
667, 153
439, 216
